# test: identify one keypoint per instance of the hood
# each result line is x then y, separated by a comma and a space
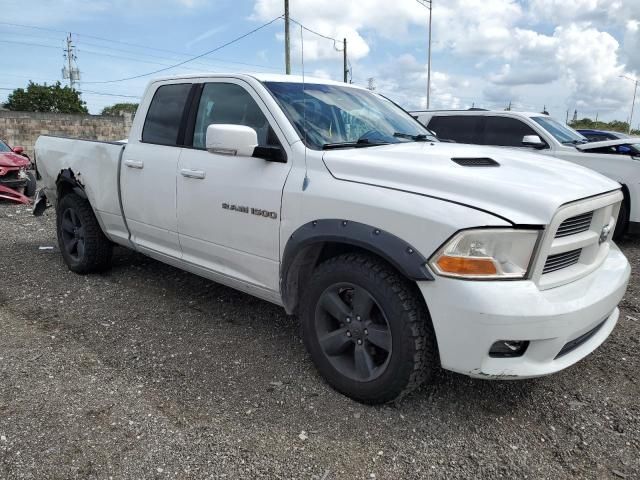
10, 159
608, 143
526, 188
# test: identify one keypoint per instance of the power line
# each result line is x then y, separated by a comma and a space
135, 45
29, 44
91, 92
230, 42
109, 94
334, 40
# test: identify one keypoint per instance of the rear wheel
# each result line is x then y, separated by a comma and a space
84, 247
366, 329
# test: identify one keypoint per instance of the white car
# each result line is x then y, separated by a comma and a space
399, 254
540, 132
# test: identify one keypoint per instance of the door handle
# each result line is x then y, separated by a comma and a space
187, 172
134, 164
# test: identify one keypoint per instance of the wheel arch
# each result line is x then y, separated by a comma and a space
68, 182
319, 240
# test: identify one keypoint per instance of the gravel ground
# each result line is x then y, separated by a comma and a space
149, 372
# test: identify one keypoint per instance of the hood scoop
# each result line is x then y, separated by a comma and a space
476, 162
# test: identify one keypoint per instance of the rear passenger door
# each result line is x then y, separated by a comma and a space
148, 173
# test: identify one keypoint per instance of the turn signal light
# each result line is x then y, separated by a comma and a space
466, 265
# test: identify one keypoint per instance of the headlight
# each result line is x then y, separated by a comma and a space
495, 254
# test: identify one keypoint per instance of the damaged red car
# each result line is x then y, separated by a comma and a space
17, 182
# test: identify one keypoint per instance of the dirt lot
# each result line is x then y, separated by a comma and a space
150, 372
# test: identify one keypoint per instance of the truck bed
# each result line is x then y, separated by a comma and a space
96, 166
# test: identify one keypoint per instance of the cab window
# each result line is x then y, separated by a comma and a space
165, 114
459, 128
228, 103
505, 132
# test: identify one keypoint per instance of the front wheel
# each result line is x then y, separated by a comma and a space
623, 221
367, 330
30, 187
84, 247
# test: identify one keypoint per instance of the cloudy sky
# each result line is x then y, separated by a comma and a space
562, 54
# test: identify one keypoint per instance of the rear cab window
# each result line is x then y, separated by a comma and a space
165, 114
459, 128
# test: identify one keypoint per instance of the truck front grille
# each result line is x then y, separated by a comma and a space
578, 224
573, 244
561, 260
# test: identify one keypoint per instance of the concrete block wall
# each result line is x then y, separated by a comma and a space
23, 128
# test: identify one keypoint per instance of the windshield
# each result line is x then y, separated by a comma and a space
4, 147
560, 132
335, 116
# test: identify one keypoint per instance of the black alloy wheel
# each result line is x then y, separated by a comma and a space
73, 234
353, 332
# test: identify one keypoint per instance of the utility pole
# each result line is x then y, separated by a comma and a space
371, 83
633, 102
429, 59
428, 4
69, 71
287, 50
344, 59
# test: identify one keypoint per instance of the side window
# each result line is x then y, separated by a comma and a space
506, 132
165, 114
459, 128
229, 103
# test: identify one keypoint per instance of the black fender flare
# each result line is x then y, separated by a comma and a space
400, 254
66, 178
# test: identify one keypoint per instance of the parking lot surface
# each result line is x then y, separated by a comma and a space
146, 371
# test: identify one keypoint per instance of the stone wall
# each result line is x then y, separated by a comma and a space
23, 128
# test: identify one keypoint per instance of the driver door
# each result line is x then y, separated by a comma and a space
218, 196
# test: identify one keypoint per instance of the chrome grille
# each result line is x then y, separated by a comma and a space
578, 224
561, 260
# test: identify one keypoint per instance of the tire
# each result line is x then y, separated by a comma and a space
623, 221
84, 247
375, 357
30, 188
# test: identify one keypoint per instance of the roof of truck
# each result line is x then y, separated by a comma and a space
262, 77
477, 111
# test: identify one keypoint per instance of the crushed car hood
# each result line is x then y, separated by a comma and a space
10, 159
525, 188
608, 143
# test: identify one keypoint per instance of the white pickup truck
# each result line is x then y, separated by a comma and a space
400, 254
616, 159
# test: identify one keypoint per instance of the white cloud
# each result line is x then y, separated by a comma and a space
203, 36
345, 19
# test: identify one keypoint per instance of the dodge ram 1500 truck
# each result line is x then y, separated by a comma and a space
398, 253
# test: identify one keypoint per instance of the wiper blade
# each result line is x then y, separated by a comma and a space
363, 142
421, 137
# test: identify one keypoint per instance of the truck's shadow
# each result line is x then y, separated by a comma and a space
492, 396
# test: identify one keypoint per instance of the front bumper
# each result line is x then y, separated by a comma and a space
469, 316
12, 185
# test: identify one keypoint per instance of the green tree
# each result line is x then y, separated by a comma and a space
46, 98
120, 108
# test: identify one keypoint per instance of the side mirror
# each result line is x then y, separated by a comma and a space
533, 141
18, 150
238, 140
625, 149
